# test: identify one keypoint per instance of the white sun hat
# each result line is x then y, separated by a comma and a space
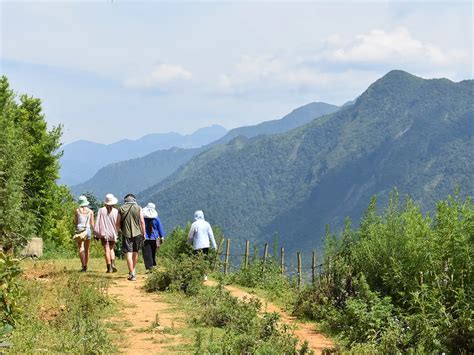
110, 200
83, 202
149, 211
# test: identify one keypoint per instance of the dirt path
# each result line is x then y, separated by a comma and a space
138, 312
303, 331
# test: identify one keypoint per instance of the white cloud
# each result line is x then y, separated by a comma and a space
160, 75
397, 46
339, 61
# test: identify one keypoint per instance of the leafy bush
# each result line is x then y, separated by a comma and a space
175, 244
262, 275
401, 281
184, 273
245, 331
10, 292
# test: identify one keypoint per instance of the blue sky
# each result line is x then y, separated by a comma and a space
112, 70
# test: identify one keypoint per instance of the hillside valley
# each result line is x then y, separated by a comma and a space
156, 166
403, 131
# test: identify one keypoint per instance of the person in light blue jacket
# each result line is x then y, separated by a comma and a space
201, 235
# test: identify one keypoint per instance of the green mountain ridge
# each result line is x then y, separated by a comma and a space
154, 167
403, 131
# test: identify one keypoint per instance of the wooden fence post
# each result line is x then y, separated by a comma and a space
227, 252
218, 251
282, 261
300, 274
313, 268
265, 255
247, 250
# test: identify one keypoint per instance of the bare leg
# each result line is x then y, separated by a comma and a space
80, 246
112, 250
135, 260
107, 253
130, 262
87, 244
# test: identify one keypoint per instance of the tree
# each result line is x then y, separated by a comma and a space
14, 217
43, 165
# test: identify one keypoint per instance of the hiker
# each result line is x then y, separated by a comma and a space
105, 229
201, 234
153, 235
84, 220
130, 221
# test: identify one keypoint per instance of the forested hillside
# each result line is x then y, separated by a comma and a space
156, 166
82, 159
403, 131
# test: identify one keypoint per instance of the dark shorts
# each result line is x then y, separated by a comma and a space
104, 241
204, 251
133, 244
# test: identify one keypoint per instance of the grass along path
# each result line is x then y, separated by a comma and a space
304, 331
142, 323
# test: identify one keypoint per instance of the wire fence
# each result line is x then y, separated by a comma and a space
235, 261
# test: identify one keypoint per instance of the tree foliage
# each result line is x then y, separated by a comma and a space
401, 281
31, 203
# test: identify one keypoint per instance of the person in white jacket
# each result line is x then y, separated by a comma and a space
201, 235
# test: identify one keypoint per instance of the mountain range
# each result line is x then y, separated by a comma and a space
154, 167
403, 131
82, 159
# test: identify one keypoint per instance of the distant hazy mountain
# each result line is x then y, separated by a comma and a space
82, 159
403, 131
117, 178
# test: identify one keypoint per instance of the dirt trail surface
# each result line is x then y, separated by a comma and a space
138, 310
303, 331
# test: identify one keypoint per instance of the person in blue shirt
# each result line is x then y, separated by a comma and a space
154, 235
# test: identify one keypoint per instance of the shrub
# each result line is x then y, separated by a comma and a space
10, 292
245, 331
183, 274
401, 281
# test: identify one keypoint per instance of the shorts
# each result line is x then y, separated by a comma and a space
133, 244
105, 241
204, 251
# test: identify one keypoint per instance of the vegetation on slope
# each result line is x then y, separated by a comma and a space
403, 131
156, 166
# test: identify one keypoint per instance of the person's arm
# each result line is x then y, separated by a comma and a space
91, 219
191, 234
159, 228
117, 222
211, 237
142, 224
75, 219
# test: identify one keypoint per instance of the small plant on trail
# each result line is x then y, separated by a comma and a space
246, 331
183, 274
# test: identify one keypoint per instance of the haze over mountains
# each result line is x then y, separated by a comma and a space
156, 166
403, 131
82, 159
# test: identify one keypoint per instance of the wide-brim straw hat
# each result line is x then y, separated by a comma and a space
110, 200
83, 202
149, 211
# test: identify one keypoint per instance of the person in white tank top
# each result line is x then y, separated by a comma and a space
84, 221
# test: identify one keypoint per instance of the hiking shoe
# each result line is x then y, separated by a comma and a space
131, 277
114, 269
84, 269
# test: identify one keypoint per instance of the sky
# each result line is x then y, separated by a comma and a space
108, 70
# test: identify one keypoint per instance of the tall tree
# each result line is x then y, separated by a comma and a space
14, 157
43, 167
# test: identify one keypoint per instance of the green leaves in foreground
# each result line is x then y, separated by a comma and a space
401, 281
